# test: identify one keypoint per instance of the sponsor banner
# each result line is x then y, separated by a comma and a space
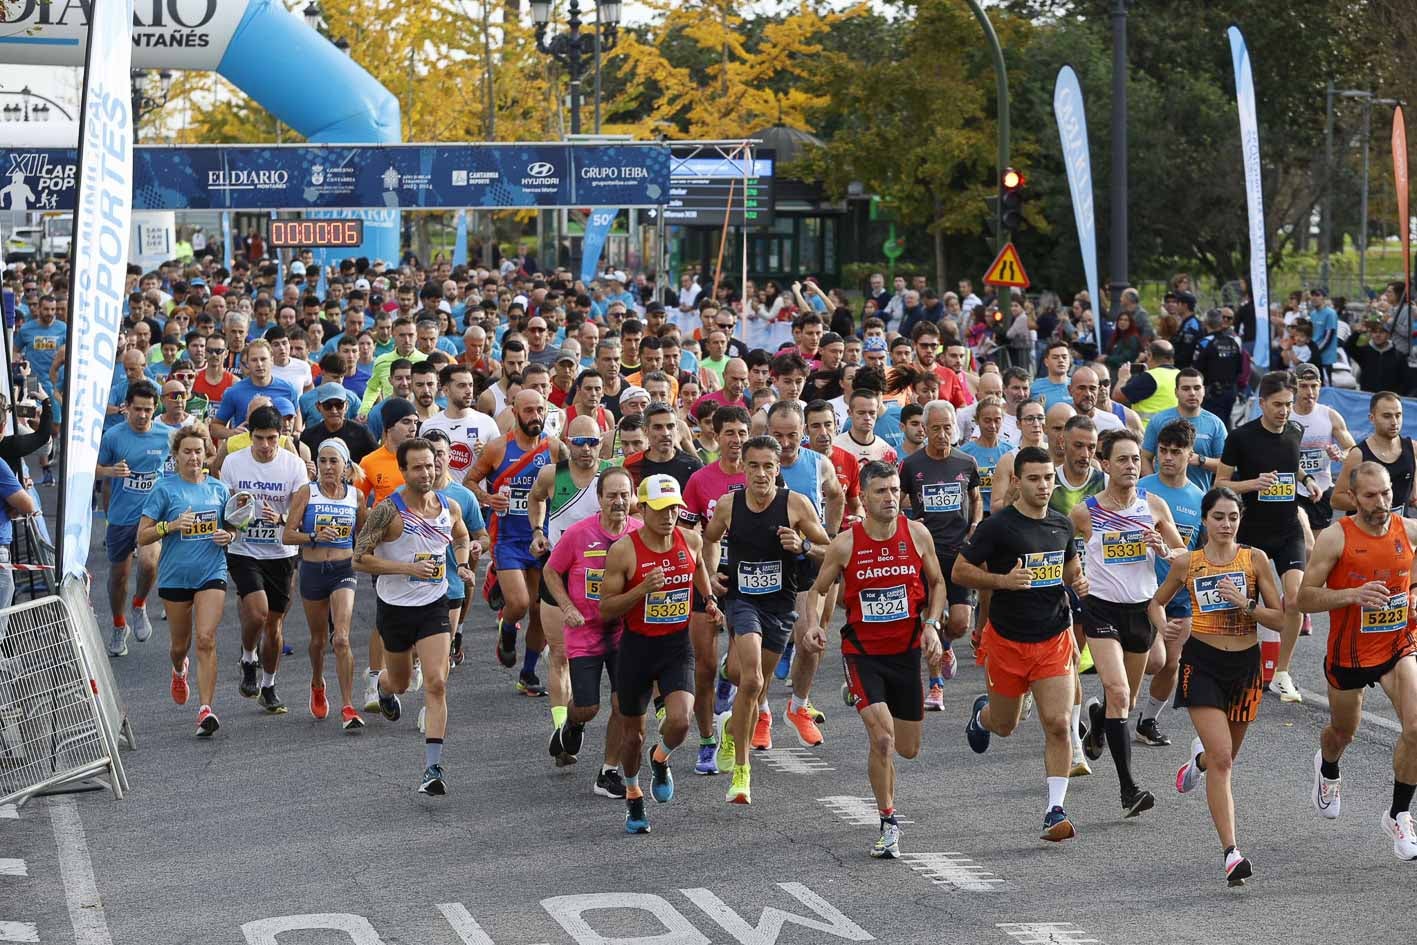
1254, 193
597, 228
172, 34
1072, 131
100, 262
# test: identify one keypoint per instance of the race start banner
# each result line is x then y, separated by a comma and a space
1254, 192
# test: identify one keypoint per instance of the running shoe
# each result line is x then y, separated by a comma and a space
269, 701
1237, 868
319, 705
1190, 773
887, 845
371, 694
762, 731
142, 626
1283, 684
1027, 712
1095, 740
723, 695
847, 696
1325, 794
506, 643
948, 664
661, 782
636, 820
1080, 768
610, 784
118, 642
1149, 734
808, 735
180, 692
433, 783
935, 698
977, 734
351, 720
816, 714
572, 738
287, 650
1056, 826
708, 758
416, 683
740, 791
207, 722
529, 685
456, 655
249, 687
727, 750
422, 719
1400, 832
554, 748
784, 663
1306, 629
48, 478
1137, 802
390, 706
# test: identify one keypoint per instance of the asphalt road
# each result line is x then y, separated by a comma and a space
284, 829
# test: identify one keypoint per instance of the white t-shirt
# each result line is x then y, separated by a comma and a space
295, 373
272, 483
964, 425
1106, 420
468, 434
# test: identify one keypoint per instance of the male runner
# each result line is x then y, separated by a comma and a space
1385, 446
821, 437
861, 440
405, 543
1210, 430
1361, 573
650, 577
1326, 438
887, 562
1083, 389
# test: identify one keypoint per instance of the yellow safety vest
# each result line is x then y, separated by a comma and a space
1164, 398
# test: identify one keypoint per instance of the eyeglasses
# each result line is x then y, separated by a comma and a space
1031, 418
216, 352
536, 331
335, 404
591, 441
174, 395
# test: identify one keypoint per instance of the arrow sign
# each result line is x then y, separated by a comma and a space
1007, 269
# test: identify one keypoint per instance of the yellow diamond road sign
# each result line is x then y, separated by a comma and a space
1007, 269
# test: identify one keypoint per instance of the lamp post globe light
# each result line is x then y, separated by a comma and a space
571, 46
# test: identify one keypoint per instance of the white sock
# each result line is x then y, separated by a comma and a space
1073, 730
1057, 792
763, 706
248, 656
796, 705
1153, 707
606, 769
373, 674
267, 679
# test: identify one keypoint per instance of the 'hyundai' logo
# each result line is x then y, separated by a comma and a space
540, 169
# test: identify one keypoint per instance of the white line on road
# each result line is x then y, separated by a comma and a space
9, 812
1314, 698
860, 811
1045, 933
953, 869
19, 932
10, 867
465, 927
793, 760
76, 869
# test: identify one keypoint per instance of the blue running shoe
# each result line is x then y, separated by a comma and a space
661, 783
784, 663
708, 758
723, 695
389, 706
1056, 826
977, 734
636, 821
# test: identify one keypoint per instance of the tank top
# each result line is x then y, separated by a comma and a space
987, 457
666, 610
1120, 566
760, 571
1313, 445
1400, 471
803, 477
883, 593
421, 540
1363, 636
499, 399
1066, 495
1211, 613
570, 504
322, 510
512, 525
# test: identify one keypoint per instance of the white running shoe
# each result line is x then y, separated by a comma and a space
1283, 685
1190, 773
1080, 768
1404, 838
118, 642
142, 626
1326, 793
422, 719
371, 694
417, 682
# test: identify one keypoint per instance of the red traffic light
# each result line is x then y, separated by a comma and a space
1012, 179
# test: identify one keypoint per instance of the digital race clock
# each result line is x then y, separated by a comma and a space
316, 233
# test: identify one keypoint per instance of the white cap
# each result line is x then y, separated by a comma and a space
361, 284
297, 268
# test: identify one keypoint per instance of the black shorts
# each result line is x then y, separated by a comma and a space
320, 579
1128, 624
185, 595
1320, 513
1218, 679
403, 625
1286, 553
585, 677
667, 661
271, 575
955, 593
892, 681
775, 627
1348, 678
542, 594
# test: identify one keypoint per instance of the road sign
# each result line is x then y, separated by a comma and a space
1007, 269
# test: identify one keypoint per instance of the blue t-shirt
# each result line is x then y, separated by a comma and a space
1051, 392
9, 485
1185, 505
145, 454
472, 518
1210, 440
1325, 322
986, 457
359, 380
804, 476
238, 397
189, 559
39, 343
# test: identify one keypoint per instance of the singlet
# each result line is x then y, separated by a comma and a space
1120, 566
421, 540
1400, 471
760, 571
602, 417
272, 484
883, 593
341, 513
1185, 506
512, 525
665, 611
804, 477
1210, 613
1066, 495
499, 399
681, 467
987, 457
580, 560
1363, 637
1313, 445
569, 503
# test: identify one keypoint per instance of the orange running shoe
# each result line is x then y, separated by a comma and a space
319, 705
352, 720
804, 725
762, 731
179, 685
207, 722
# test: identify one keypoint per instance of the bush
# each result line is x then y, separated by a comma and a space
856, 276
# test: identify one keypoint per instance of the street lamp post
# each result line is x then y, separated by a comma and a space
1118, 236
1326, 218
25, 111
146, 99
570, 47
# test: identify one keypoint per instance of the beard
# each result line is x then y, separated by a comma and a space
529, 427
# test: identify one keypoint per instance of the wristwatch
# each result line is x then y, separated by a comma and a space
806, 546
933, 622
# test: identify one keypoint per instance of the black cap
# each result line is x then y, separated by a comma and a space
395, 409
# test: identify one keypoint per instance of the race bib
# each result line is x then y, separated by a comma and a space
942, 497
140, 482
1311, 461
667, 606
593, 577
1208, 591
759, 577
439, 575
261, 533
1188, 533
199, 406
884, 604
519, 501
1281, 491
203, 528
46, 343
1387, 619
1123, 547
1046, 568
342, 522
986, 483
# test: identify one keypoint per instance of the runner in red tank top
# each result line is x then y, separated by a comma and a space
887, 562
1361, 573
650, 577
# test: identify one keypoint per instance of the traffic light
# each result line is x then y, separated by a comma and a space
1011, 184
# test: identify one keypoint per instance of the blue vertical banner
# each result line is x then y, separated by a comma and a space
280, 269
1077, 158
1254, 194
102, 224
228, 251
597, 228
460, 240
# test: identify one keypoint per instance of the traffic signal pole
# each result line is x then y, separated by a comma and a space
1001, 81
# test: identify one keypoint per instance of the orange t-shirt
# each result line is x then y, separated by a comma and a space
1364, 637
382, 475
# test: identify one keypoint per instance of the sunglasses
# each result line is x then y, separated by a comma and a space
335, 404
591, 441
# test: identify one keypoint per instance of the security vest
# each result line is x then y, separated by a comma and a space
1164, 397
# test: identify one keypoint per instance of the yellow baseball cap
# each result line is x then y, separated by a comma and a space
660, 492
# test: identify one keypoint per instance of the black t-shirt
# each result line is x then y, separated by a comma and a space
681, 467
355, 436
1045, 545
940, 495
1273, 515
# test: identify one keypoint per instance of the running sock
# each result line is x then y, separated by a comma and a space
558, 716
632, 785
120, 621
248, 656
432, 751
1057, 792
1401, 797
1153, 707
796, 705
1328, 769
139, 603
888, 815
660, 754
267, 679
764, 706
1073, 735
529, 663
704, 742
1121, 747
606, 769
937, 681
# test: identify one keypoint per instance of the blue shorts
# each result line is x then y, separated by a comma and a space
775, 627
512, 554
1180, 606
121, 541
320, 579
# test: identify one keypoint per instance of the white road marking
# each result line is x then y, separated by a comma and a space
465, 927
1045, 933
860, 811
19, 932
1320, 700
792, 760
11, 867
76, 870
953, 869
9, 812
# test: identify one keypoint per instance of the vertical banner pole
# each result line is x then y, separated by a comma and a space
1404, 219
1077, 158
1254, 193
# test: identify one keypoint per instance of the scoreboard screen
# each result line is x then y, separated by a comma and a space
701, 182
316, 233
